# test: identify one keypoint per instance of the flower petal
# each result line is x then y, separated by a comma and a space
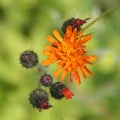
73, 37
71, 77
63, 75
57, 72
88, 37
82, 73
88, 71
67, 93
68, 33
57, 35
52, 40
47, 62
77, 77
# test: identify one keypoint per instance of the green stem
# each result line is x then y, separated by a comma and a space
102, 15
41, 70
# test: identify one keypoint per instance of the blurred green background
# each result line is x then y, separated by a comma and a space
24, 25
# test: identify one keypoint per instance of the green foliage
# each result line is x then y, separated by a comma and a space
24, 25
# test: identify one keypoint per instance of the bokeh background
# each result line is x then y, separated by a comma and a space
24, 25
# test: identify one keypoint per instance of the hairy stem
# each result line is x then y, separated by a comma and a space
103, 14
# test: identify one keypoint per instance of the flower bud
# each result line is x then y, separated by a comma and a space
74, 22
46, 80
28, 59
39, 99
58, 90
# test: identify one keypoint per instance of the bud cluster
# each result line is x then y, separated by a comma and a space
39, 97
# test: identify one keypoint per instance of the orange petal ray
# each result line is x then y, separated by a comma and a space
78, 81
78, 42
93, 57
73, 37
61, 63
82, 73
88, 37
86, 61
77, 77
80, 35
52, 40
50, 47
71, 77
57, 35
47, 62
57, 72
87, 70
46, 52
63, 75
68, 33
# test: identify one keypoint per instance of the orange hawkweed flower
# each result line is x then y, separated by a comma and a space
67, 93
69, 53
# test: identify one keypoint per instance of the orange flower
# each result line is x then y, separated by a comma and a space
67, 93
69, 53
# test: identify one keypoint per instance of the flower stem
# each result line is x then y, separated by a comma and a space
103, 14
41, 70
